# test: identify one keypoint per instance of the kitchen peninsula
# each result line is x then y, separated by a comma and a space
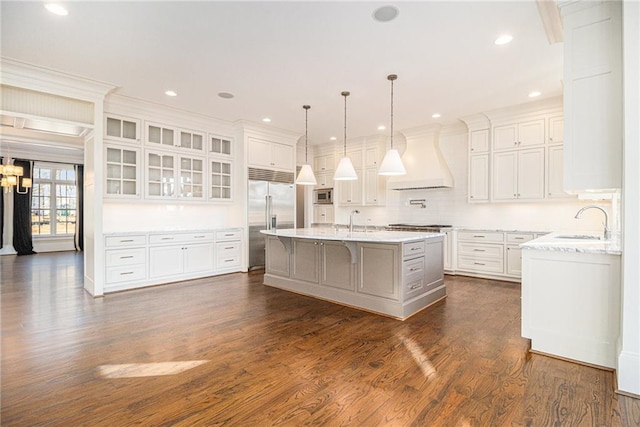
391, 273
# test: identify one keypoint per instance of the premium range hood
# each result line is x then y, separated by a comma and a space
423, 160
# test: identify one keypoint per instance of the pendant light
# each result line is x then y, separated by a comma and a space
345, 170
306, 176
392, 163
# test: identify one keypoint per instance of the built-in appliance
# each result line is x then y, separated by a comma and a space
435, 228
271, 203
323, 196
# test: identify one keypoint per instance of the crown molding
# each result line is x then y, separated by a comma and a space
551, 20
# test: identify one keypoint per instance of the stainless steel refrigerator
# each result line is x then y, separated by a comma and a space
268, 201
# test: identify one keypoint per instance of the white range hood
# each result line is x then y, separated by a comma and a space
423, 160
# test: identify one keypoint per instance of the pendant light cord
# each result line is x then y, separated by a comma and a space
392, 77
306, 133
345, 94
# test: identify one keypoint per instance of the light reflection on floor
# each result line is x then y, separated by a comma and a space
133, 370
418, 355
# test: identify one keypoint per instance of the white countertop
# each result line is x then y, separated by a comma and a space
551, 242
356, 236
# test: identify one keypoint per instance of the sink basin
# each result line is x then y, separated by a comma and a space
579, 237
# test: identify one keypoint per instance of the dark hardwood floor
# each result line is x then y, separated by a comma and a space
229, 351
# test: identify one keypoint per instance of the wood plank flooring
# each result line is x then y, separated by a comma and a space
243, 354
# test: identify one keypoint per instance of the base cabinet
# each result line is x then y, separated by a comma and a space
571, 304
395, 279
139, 260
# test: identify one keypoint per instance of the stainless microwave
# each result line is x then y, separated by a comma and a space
323, 196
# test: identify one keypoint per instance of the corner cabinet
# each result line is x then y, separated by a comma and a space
135, 260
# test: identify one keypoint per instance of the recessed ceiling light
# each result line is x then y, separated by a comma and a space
225, 95
333, 138
171, 93
534, 94
56, 9
436, 115
382, 127
385, 13
503, 39
266, 120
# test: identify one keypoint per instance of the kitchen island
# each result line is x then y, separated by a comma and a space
392, 273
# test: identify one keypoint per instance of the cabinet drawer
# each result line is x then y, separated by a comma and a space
234, 234
481, 265
156, 239
413, 248
479, 250
227, 249
414, 287
125, 274
122, 257
519, 237
134, 240
481, 236
413, 270
227, 262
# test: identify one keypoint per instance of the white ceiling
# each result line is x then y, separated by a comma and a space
277, 56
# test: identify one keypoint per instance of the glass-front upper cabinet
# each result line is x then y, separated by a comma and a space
219, 145
191, 178
192, 140
161, 170
220, 185
122, 172
160, 135
121, 128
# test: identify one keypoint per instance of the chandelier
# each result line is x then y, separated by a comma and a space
12, 176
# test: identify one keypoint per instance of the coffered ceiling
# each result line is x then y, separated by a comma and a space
276, 56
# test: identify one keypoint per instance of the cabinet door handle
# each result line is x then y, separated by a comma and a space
125, 257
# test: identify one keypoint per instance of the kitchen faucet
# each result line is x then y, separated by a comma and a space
607, 232
353, 212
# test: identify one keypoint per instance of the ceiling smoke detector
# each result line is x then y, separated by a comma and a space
385, 13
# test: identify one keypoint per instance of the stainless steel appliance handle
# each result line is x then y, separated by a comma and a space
268, 212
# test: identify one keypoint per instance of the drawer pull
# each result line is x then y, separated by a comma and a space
126, 272
125, 257
199, 237
478, 263
126, 241
229, 260
480, 236
479, 250
519, 238
229, 247
228, 235
166, 238
414, 269
415, 249
415, 287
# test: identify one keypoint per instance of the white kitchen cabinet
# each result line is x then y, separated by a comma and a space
121, 129
517, 135
324, 179
324, 163
514, 260
228, 249
447, 249
555, 167
371, 157
592, 95
480, 252
191, 140
479, 141
479, 178
160, 177
556, 130
180, 254
161, 135
125, 260
374, 187
323, 214
191, 175
219, 145
571, 304
518, 174
122, 174
220, 179
270, 155
350, 192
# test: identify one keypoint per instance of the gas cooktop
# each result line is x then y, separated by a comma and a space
419, 226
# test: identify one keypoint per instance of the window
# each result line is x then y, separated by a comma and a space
54, 202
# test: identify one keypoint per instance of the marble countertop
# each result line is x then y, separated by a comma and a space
356, 236
552, 242
171, 230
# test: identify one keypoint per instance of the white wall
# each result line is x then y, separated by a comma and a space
450, 206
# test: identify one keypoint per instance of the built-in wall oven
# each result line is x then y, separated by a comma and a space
323, 196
